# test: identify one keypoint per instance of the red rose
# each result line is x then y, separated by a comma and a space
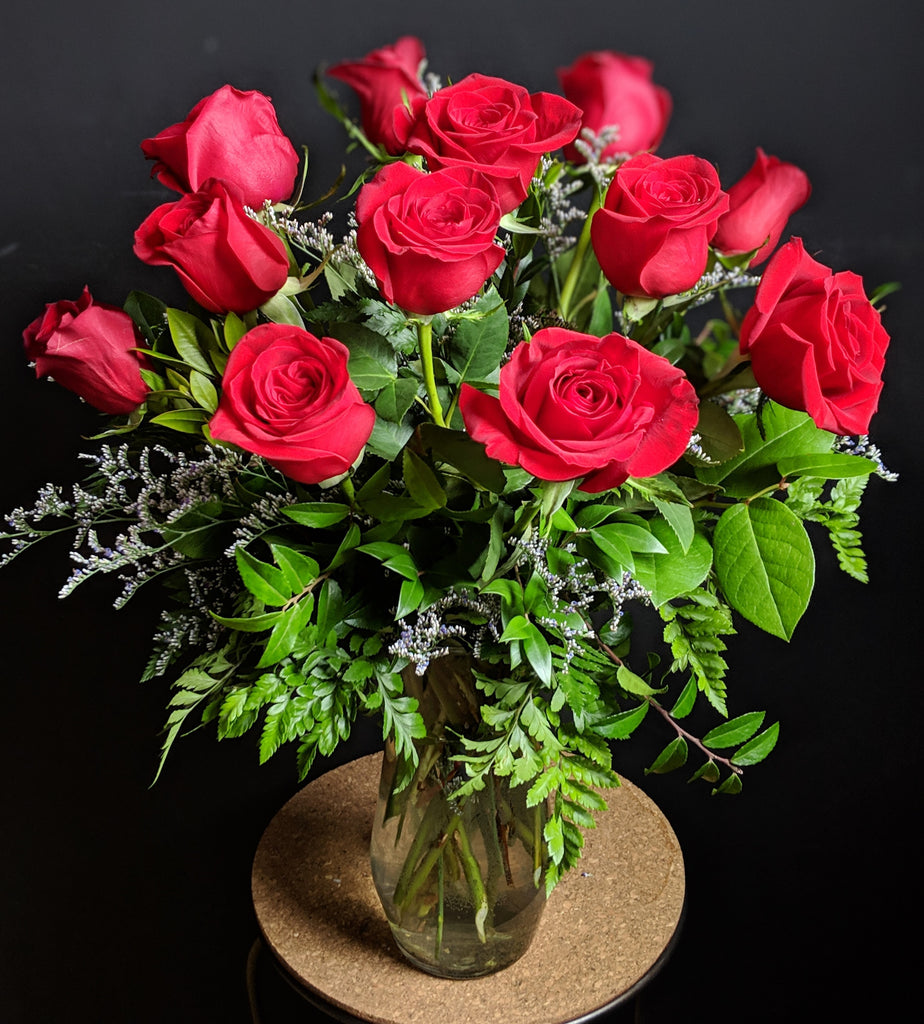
760, 204
287, 396
385, 80
615, 90
652, 234
495, 126
231, 135
225, 259
815, 341
428, 238
572, 405
88, 347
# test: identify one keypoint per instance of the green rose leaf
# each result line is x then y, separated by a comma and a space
680, 517
421, 482
387, 438
478, 345
396, 398
465, 454
368, 374
765, 564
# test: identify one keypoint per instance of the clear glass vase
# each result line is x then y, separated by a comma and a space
461, 879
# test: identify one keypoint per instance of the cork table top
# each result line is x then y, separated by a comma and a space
608, 922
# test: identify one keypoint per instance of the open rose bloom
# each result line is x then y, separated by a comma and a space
433, 467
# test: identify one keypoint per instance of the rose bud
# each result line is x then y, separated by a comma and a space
385, 80
760, 204
89, 347
815, 341
573, 406
429, 239
231, 135
287, 396
225, 259
651, 236
495, 126
615, 90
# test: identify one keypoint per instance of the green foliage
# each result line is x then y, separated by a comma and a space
294, 608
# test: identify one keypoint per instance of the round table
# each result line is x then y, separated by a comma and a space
609, 924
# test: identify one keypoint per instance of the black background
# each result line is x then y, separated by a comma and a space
126, 903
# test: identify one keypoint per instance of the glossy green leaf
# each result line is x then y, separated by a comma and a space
387, 438
758, 748
680, 517
317, 513
730, 787
458, 449
203, 390
282, 310
765, 564
393, 557
267, 583
786, 433
672, 757
686, 700
538, 654
708, 771
184, 331
622, 724
477, 347
734, 731
186, 421
300, 570
286, 632
666, 576
830, 466
633, 683
409, 597
719, 435
234, 330
421, 482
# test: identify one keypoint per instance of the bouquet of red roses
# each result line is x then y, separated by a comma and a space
507, 406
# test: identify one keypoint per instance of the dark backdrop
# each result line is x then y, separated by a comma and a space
126, 903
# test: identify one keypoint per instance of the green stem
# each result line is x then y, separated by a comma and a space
440, 910
474, 879
574, 271
425, 344
427, 833
349, 491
